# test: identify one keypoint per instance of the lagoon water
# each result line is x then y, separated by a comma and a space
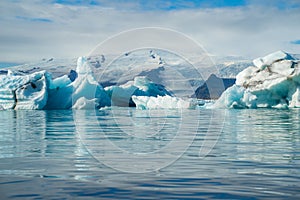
127, 153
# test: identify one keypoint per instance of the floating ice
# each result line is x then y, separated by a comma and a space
272, 82
39, 91
295, 102
140, 86
66, 94
162, 102
86, 104
24, 92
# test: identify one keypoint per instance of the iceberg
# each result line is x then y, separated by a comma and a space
272, 82
162, 102
24, 91
84, 89
140, 86
78, 90
85, 104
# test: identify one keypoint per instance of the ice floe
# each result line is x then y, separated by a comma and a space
162, 102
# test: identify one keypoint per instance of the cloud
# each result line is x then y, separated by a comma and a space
36, 29
77, 2
34, 19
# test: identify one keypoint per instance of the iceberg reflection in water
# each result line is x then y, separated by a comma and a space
43, 154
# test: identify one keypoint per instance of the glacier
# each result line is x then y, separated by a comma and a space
273, 82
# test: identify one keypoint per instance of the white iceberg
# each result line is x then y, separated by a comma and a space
274, 81
162, 102
24, 92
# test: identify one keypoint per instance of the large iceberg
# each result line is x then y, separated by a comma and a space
85, 85
39, 91
273, 81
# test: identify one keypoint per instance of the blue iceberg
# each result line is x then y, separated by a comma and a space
140, 86
40, 91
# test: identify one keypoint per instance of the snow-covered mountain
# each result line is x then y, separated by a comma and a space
57, 67
231, 69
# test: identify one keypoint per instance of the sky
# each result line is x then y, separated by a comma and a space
36, 29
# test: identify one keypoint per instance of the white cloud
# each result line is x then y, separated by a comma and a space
71, 31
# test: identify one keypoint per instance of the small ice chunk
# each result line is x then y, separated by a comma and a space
295, 102
85, 104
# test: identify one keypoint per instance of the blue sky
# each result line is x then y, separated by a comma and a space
174, 4
77, 2
183, 4
35, 29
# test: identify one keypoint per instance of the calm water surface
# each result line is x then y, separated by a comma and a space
87, 154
